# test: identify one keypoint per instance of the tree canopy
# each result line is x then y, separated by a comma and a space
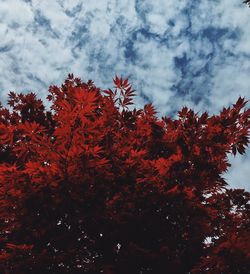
94, 186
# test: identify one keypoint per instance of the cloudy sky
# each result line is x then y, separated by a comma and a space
175, 53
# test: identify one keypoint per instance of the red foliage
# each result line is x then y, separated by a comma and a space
94, 187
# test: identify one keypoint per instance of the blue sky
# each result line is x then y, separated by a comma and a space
175, 53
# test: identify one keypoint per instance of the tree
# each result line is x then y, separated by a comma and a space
92, 186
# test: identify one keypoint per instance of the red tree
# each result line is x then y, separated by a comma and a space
94, 187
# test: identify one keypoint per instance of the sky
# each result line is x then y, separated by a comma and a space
175, 53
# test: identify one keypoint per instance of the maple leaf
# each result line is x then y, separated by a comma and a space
118, 81
162, 166
189, 192
89, 173
6, 134
149, 109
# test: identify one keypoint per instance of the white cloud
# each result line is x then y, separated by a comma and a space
15, 13
239, 173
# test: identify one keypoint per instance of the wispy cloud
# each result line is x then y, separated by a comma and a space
194, 53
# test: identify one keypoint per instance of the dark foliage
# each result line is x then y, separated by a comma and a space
91, 186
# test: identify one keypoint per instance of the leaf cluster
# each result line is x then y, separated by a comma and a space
91, 186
